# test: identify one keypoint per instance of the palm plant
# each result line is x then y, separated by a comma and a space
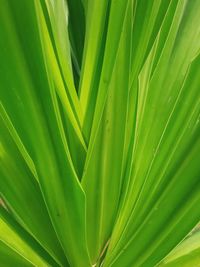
99, 133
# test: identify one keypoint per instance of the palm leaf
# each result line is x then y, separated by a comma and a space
99, 133
185, 254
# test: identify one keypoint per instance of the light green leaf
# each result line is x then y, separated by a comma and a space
102, 206
22, 194
96, 30
167, 130
14, 242
187, 253
37, 126
99, 133
10, 257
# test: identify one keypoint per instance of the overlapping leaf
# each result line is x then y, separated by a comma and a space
99, 132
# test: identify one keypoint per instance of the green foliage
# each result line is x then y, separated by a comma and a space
99, 133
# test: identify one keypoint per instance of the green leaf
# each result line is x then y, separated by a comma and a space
9, 238
99, 133
37, 126
76, 31
167, 130
117, 14
10, 257
51, 60
13, 225
187, 253
99, 163
58, 52
22, 194
96, 30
